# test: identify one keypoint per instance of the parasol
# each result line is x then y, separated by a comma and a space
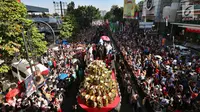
12, 93
158, 56
74, 60
63, 76
55, 48
105, 38
79, 48
65, 42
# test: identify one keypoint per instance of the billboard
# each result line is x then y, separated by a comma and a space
30, 86
129, 9
145, 25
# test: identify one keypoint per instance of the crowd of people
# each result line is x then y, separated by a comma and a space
53, 88
66, 65
169, 79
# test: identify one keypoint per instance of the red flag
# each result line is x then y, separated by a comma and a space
19, 1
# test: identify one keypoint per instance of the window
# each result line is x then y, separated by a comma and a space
14, 69
23, 75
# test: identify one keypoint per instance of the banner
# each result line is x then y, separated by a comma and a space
129, 9
30, 86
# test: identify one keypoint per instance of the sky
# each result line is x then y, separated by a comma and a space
101, 4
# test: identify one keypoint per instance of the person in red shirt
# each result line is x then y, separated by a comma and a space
198, 69
54, 63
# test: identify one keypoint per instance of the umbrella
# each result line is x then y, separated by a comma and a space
158, 56
65, 42
79, 48
55, 48
12, 93
105, 38
63, 76
74, 60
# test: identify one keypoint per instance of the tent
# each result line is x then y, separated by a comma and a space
65, 42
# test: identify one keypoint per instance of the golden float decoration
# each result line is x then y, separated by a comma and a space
98, 88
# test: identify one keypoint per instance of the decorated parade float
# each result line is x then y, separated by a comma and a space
99, 90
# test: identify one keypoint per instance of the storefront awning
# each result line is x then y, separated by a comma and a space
185, 24
195, 28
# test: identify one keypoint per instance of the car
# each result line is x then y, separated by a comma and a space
184, 51
21, 69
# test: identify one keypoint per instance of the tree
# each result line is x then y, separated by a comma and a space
85, 15
55, 14
70, 7
108, 15
69, 27
12, 15
115, 14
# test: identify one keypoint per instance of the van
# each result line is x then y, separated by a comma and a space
21, 69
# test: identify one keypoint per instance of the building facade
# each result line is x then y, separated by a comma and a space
188, 27
178, 18
153, 10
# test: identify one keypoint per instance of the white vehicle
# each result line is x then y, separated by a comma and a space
183, 50
21, 69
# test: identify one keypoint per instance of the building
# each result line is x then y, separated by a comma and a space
32, 9
103, 13
153, 10
170, 17
40, 15
188, 27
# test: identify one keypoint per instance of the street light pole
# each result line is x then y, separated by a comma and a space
26, 49
54, 36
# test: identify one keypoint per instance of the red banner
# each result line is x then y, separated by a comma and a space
192, 30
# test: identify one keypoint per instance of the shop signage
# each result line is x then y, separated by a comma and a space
149, 4
187, 11
30, 86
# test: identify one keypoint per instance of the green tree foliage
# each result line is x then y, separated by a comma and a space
12, 15
69, 26
115, 14
70, 7
86, 14
108, 15
78, 18
55, 14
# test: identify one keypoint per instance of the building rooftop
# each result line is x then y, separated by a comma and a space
36, 9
